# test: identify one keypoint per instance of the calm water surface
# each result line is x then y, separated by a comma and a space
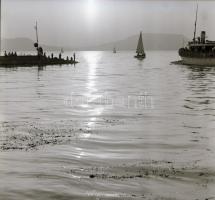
111, 127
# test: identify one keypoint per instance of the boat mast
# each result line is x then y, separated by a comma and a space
194, 36
37, 34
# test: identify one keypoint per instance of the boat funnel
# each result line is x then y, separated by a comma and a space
203, 34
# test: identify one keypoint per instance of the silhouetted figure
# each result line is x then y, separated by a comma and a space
67, 58
52, 55
71, 59
40, 51
44, 54
5, 53
60, 55
74, 57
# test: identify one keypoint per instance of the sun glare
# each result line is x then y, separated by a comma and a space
91, 9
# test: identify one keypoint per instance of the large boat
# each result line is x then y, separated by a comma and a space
40, 58
199, 51
140, 49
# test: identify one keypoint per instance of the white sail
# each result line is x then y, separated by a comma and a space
140, 48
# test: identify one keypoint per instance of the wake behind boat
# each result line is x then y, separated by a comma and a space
140, 49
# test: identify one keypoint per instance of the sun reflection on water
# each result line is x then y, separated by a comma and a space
92, 94
80, 153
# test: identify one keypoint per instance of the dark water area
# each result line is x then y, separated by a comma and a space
110, 127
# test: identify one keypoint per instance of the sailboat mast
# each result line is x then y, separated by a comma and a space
194, 36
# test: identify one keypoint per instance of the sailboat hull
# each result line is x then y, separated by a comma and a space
140, 57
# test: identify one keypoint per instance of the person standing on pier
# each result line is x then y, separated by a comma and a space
74, 57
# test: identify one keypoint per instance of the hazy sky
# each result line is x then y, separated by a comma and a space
90, 22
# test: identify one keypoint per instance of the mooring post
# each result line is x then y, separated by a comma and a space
0, 27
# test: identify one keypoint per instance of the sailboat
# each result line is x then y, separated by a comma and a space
114, 50
140, 49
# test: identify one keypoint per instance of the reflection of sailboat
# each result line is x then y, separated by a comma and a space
114, 50
140, 49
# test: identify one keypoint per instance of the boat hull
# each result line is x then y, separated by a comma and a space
140, 57
198, 61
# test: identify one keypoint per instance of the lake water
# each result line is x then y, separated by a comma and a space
110, 127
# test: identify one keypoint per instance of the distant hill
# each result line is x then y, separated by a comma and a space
23, 44
151, 41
